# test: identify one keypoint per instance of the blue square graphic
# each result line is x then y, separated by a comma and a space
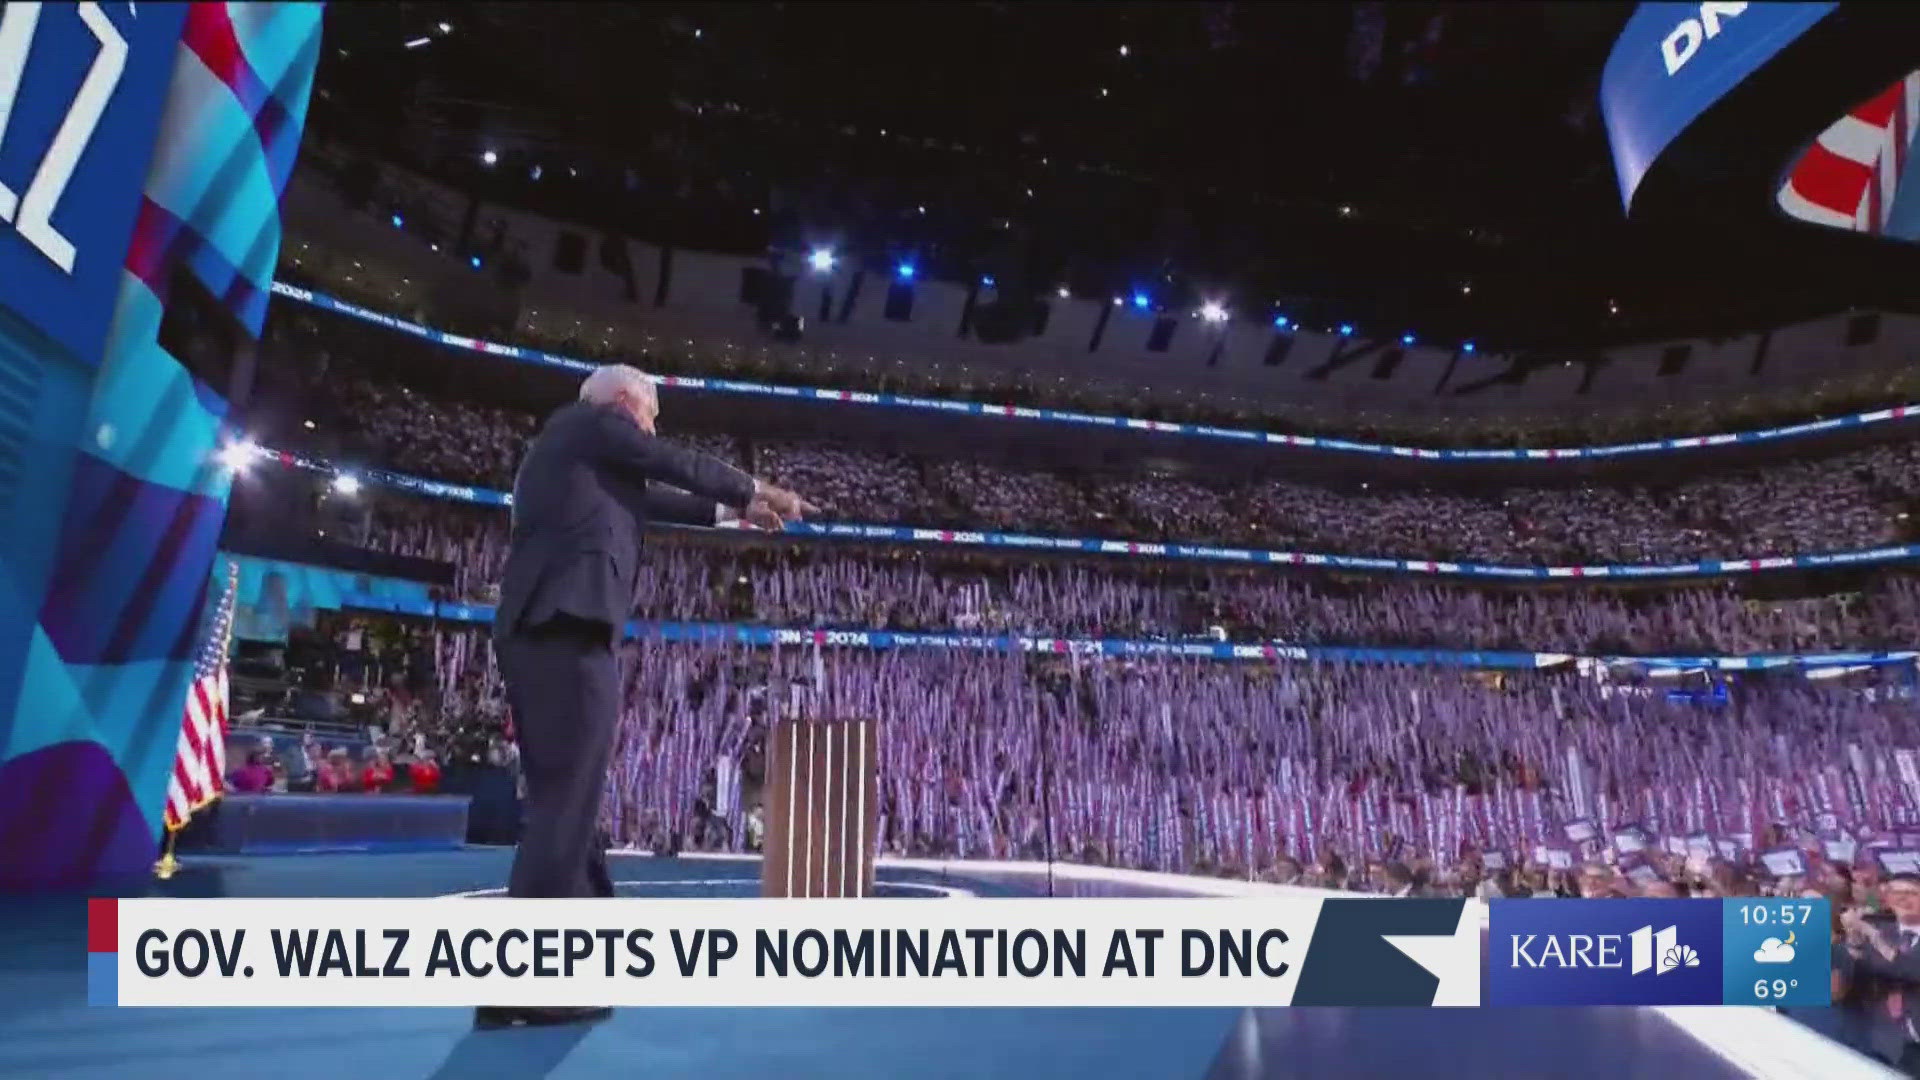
1604, 952
103, 978
1779, 951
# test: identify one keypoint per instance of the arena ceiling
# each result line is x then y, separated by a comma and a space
1438, 168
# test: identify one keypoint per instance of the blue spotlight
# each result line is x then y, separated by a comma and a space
475, 260
986, 281
1140, 301
398, 222
1346, 329
1468, 347
1406, 339
1280, 322
904, 271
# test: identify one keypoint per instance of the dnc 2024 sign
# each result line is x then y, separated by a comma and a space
1673, 61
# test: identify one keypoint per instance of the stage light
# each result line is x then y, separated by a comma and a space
904, 271
536, 172
986, 281
1466, 290
1213, 311
1117, 301
1406, 339
308, 424
1063, 292
1346, 329
821, 259
1124, 50
346, 484
1468, 347
239, 455
1141, 301
398, 222
435, 246
489, 158
1280, 322
475, 260
418, 42
446, 28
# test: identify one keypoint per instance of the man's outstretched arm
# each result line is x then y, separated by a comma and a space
650, 460
645, 459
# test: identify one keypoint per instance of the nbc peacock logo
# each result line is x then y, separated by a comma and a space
1659, 951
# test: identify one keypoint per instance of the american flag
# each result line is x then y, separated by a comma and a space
200, 758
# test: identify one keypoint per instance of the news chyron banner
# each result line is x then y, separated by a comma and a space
1216, 952
1765, 951
1265, 951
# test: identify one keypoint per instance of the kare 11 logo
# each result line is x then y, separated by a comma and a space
1604, 952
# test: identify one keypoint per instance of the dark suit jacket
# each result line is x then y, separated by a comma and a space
589, 484
1876, 978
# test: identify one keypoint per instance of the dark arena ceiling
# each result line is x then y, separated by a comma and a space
1437, 167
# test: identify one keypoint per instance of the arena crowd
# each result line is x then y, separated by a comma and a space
1847, 501
831, 586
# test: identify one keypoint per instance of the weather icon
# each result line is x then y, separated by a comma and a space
1774, 951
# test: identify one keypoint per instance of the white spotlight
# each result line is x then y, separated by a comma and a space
1213, 311
1063, 292
821, 259
346, 484
239, 456
489, 158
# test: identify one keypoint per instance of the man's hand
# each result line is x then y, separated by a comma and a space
761, 516
786, 504
1851, 922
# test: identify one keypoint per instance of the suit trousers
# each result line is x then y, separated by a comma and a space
564, 686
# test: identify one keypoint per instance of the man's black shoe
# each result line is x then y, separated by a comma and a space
493, 1017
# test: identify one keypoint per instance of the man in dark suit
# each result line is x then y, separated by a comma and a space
1882, 957
592, 480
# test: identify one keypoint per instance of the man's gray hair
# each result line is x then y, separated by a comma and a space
611, 382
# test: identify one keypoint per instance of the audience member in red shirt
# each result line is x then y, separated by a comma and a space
378, 775
337, 774
426, 774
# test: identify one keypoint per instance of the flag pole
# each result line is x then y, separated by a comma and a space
168, 864
164, 869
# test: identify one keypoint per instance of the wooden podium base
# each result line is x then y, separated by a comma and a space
822, 803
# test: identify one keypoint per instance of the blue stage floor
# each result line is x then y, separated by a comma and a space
47, 1032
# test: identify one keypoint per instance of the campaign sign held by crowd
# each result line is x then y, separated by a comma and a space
1604, 952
